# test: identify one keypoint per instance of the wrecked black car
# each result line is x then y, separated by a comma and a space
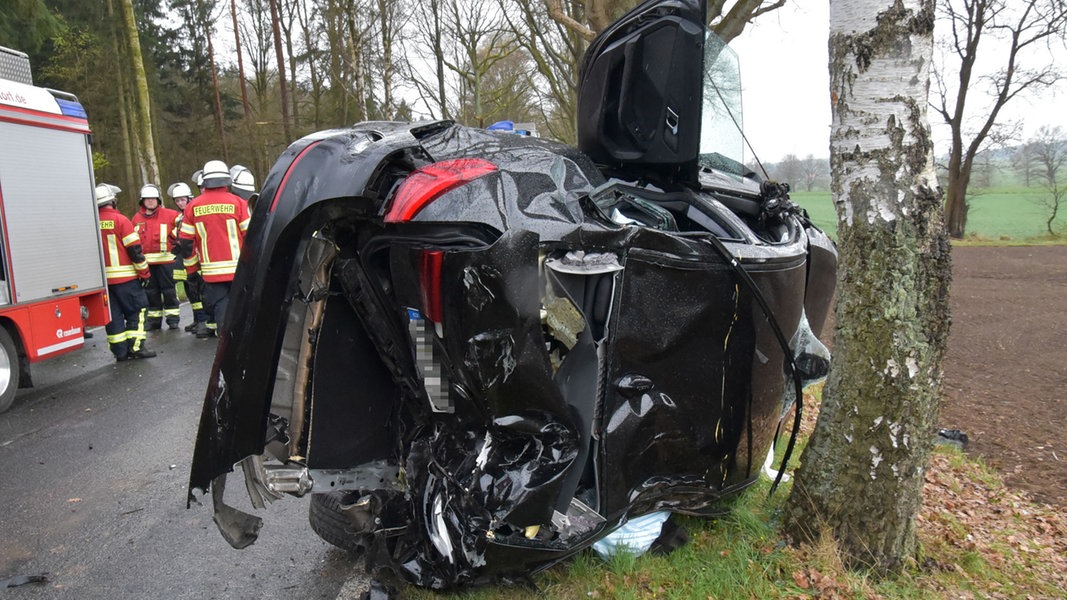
479, 353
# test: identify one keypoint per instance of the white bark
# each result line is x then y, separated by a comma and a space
862, 472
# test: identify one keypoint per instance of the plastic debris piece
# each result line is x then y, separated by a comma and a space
635, 536
19, 580
953, 437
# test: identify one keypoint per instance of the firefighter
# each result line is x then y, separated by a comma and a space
212, 232
244, 185
154, 223
127, 270
181, 195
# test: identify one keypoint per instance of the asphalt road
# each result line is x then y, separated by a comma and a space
94, 464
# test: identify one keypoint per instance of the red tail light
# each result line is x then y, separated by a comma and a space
425, 185
430, 278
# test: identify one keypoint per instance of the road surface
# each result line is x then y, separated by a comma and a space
94, 463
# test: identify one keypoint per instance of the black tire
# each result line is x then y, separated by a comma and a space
9, 369
330, 524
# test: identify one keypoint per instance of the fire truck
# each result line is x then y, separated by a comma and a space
52, 282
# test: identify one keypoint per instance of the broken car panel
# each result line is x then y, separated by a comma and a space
480, 353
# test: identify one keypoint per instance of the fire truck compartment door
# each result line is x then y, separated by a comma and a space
51, 233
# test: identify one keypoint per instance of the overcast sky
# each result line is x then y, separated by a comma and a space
786, 86
785, 81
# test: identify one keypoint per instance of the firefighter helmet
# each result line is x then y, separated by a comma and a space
198, 178
243, 182
105, 193
150, 190
179, 190
216, 174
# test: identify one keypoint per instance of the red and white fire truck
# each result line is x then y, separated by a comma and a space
52, 283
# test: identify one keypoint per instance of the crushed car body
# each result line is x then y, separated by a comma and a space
480, 353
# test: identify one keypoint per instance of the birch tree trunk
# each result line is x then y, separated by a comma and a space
862, 473
356, 37
142, 105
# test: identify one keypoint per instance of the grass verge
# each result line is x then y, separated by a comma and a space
997, 216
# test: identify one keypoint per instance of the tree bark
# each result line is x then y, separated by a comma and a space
439, 58
257, 163
128, 153
356, 60
863, 470
149, 164
282, 86
287, 31
385, 28
219, 129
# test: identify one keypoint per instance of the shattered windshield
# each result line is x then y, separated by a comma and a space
721, 124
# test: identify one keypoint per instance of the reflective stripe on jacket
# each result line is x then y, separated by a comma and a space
215, 222
156, 231
123, 258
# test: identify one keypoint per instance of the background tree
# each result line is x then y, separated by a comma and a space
480, 41
579, 23
815, 172
26, 25
142, 100
1022, 162
861, 474
338, 61
280, 56
556, 51
1048, 148
727, 19
788, 170
1011, 33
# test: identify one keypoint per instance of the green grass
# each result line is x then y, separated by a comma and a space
998, 215
741, 556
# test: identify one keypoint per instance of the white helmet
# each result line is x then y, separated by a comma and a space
150, 190
179, 190
198, 178
244, 183
105, 193
216, 174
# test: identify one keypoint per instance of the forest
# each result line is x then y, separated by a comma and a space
238, 80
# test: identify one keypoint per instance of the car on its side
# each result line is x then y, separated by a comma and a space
479, 353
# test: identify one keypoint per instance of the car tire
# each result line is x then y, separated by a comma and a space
9, 370
329, 522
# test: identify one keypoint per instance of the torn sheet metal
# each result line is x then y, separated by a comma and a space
502, 379
482, 354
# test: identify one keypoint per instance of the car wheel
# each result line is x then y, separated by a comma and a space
330, 523
9, 370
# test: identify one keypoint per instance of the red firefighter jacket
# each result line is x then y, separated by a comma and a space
155, 231
123, 258
212, 232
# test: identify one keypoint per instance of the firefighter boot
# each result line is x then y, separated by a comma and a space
142, 353
202, 331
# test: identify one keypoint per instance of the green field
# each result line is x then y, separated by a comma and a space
1009, 214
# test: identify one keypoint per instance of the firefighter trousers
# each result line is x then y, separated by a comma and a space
216, 300
126, 332
162, 297
194, 290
